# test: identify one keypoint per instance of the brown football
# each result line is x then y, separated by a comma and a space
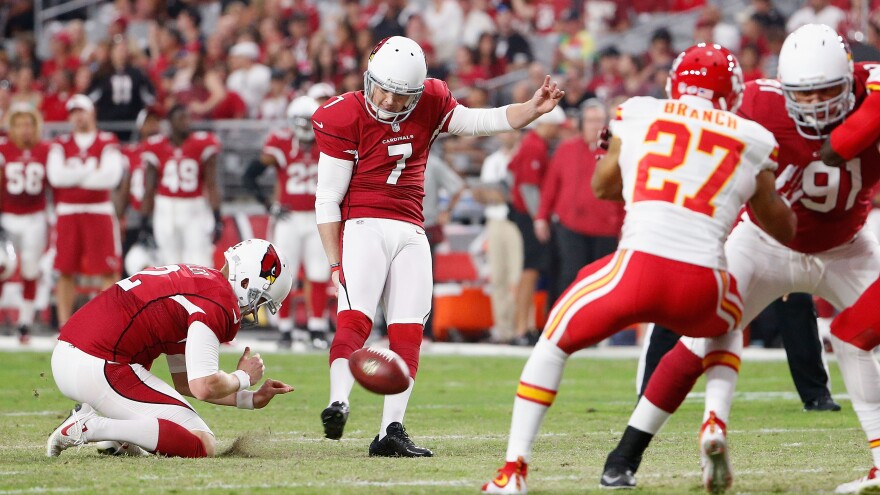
379, 370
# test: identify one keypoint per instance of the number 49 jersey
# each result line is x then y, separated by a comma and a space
297, 165
388, 180
181, 169
687, 170
24, 177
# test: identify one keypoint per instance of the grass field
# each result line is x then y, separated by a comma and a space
461, 409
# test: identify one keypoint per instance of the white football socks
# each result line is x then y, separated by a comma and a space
647, 417
141, 432
861, 374
395, 408
341, 381
535, 394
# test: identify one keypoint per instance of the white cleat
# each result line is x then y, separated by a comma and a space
865, 485
717, 475
112, 447
511, 479
70, 433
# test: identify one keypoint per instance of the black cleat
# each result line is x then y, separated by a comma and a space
24, 334
334, 418
617, 477
824, 404
397, 444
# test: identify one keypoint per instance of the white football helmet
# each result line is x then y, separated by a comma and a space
140, 256
397, 65
815, 57
259, 275
299, 114
8, 258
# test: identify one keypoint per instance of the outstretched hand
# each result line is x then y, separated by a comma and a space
269, 390
547, 96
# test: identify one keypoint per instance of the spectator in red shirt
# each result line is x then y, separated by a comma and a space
467, 73
487, 56
750, 62
57, 93
528, 167
586, 228
61, 57
605, 77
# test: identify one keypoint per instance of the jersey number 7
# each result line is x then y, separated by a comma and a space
667, 191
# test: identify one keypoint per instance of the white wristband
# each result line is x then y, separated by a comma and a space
244, 380
244, 399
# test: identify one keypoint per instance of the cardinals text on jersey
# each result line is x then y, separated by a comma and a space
389, 173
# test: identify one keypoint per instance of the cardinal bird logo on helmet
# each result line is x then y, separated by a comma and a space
270, 266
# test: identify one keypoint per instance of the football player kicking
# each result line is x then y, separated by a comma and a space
684, 167
831, 256
104, 353
371, 173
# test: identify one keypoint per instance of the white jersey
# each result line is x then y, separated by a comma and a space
687, 170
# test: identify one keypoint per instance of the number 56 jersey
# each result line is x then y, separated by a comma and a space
388, 179
687, 170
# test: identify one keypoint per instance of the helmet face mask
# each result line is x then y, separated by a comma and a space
299, 116
813, 60
397, 65
708, 71
259, 276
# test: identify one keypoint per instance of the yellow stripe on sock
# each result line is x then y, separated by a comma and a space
533, 393
874, 443
721, 358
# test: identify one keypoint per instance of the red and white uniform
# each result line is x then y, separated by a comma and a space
680, 203
83, 169
24, 203
106, 349
183, 223
296, 233
831, 256
382, 209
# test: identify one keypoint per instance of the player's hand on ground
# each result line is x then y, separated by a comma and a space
269, 389
547, 96
252, 365
542, 230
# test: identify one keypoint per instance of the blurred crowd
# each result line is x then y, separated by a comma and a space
248, 59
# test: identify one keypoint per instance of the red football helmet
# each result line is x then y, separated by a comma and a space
708, 71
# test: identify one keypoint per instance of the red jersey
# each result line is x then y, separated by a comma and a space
73, 153
566, 192
135, 173
297, 165
24, 177
836, 200
181, 170
149, 314
528, 166
388, 180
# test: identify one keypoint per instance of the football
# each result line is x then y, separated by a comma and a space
379, 370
